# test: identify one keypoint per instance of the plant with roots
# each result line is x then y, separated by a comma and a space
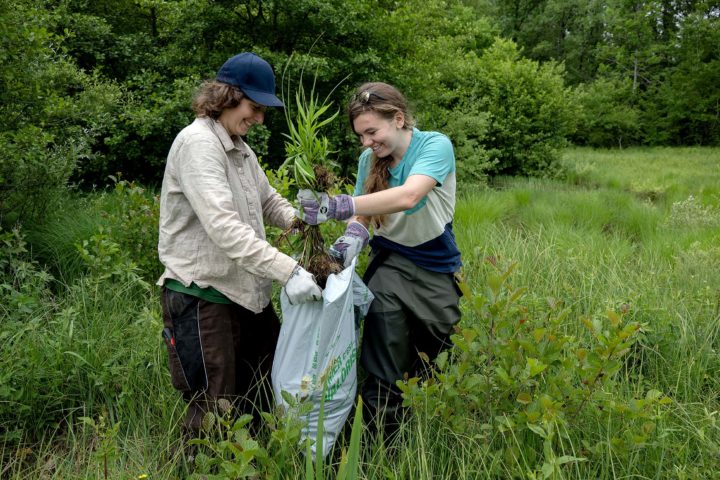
308, 159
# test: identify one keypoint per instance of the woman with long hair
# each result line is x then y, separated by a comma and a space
405, 192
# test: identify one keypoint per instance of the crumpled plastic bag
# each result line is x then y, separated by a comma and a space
317, 352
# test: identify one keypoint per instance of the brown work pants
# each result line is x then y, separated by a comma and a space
219, 351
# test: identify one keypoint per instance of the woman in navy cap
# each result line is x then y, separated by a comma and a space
220, 327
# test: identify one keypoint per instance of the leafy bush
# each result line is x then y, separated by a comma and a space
515, 378
607, 117
133, 213
690, 213
468, 127
52, 112
24, 287
153, 113
530, 111
505, 114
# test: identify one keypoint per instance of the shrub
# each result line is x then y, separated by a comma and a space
607, 117
515, 378
690, 213
153, 113
467, 127
505, 114
52, 112
530, 111
133, 214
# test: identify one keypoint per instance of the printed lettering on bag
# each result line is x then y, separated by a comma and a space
343, 364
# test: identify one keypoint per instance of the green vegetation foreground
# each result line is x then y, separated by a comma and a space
613, 301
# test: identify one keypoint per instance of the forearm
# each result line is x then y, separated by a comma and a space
392, 200
396, 199
277, 211
317, 207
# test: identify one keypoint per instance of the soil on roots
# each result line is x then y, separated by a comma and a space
322, 266
313, 258
324, 178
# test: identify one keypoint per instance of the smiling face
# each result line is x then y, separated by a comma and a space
386, 137
238, 120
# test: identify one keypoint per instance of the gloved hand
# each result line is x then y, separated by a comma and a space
318, 207
301, 287
351, 243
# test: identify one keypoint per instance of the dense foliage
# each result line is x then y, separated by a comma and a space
90, 89
649, 70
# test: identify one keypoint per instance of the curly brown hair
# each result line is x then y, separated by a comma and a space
386, 101
213, 97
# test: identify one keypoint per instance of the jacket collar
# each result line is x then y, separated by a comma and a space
225, 139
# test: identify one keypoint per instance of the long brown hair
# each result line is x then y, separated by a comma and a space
213, 97
386, 101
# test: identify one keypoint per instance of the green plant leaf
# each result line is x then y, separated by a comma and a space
537, 429
524, 398
535, 366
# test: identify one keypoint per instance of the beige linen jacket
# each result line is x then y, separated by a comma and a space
214, 200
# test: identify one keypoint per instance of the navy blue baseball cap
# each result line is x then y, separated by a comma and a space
253, 75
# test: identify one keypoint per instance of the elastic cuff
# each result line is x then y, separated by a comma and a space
351, 228
344, 207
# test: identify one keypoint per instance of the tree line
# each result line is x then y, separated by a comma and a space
647, 72
94, 88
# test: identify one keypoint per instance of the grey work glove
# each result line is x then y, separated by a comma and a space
318, 207
349, 246
301, 287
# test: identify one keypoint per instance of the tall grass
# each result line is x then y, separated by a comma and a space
54, 239
661, 174
612, 245
598, 240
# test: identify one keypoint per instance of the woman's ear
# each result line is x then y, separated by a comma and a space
399, 120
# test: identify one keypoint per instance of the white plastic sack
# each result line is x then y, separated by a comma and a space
318, 343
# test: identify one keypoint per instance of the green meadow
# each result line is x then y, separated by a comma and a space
588, 347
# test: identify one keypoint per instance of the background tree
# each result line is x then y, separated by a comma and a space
51, 111
90, 89
650, 46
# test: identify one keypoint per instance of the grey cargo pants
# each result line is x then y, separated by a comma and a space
414, 311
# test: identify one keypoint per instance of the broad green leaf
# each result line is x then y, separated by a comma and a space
536, 366
524, 398
537, 429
